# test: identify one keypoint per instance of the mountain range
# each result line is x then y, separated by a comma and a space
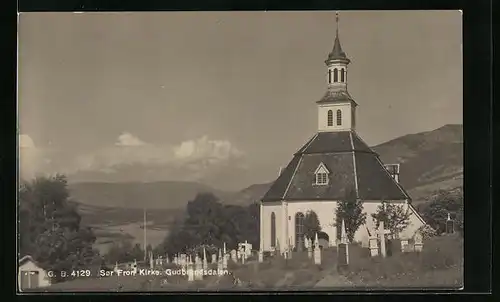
429, 161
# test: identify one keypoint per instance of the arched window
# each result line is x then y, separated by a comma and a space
329, 76
339, 117
273, 229
299, 231
330, 118
335, 75
342, 75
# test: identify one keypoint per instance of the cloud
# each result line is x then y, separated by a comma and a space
131, 158
32, 160
204, 148
127, 140
191, 159
25, 142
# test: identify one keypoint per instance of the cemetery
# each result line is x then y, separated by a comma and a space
385, 263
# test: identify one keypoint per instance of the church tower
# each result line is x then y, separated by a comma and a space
337, 109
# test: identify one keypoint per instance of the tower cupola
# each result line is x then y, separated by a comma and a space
337, 109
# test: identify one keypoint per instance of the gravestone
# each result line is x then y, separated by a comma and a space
248, 249
343, 248
219, 265
419, 244
134, 267
176, 260
309, 248
382, 232
373, 244
234, 256
450, 225
343, 259
261, 256
199, 268
224, 261
190, 271
214, 258
151, 261
205, 260
404, 245
317, 251
389, 247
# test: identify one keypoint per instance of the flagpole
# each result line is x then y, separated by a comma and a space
145, 252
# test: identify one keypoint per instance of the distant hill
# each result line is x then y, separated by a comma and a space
150, 195
429, 161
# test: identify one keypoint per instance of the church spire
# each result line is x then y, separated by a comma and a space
337, 109
337, 53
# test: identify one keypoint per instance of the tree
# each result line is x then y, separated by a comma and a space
49, 227
124, 251
436, 211
350, 209
311, 224
209, 223
395, 217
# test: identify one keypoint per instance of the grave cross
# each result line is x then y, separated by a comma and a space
382, 232
449, 225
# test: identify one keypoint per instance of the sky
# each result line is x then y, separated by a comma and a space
222, 98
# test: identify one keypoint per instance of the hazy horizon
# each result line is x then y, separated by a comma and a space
220, 98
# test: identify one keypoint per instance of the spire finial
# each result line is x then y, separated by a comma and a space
337, 21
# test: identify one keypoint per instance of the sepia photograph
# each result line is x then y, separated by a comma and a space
240, 151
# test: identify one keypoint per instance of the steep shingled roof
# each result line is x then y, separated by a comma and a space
352, 163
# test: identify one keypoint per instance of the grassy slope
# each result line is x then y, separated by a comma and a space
439, 265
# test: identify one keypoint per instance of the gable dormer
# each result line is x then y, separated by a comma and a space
321, 175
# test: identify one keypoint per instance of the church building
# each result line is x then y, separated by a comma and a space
333, 163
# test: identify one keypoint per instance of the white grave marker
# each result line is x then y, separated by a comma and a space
205, 260
419, 244
234, 256
404, 245
199, 268
190, 271
382, 232
317, 251
373, 243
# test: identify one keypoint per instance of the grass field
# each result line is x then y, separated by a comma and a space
440, 264
116, 224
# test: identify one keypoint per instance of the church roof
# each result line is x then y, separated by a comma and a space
336, 96
353, 166
337, 53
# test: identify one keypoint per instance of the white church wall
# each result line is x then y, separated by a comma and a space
265, 233
370, 207
323, 117
326, 215
415, 223
326, 211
